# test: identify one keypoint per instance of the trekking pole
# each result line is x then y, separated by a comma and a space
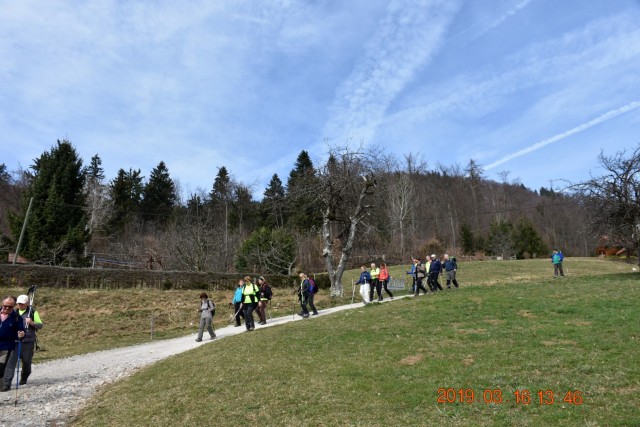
293, 316
353, 291
18, 372
237, 312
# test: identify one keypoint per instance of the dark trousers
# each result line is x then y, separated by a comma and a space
26, 356
248, 315
240, 313
434, 284
557, 268
385, 283
304, 300
5, 360
262, 310
420, 286
311, 304
377, 286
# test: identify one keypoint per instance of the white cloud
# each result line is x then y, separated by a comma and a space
407, 38
580, 128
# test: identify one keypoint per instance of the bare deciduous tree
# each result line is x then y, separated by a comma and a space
346, 183
613, 199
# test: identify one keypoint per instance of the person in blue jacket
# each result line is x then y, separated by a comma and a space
412, 272
237, 301
11, 330
365, 282
434, 271
450, 268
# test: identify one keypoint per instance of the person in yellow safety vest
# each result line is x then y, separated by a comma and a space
249, 301
375, 283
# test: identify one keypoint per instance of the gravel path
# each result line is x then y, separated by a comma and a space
57, 389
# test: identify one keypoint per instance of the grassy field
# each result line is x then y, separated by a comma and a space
519, 331
81, 321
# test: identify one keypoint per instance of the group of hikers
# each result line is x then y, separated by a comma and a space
19, 321
252, 297
378, 279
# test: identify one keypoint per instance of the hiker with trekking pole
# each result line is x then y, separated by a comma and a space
236, 303
11, 330
264, 295
32, 323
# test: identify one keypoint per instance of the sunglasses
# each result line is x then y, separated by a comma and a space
7, 306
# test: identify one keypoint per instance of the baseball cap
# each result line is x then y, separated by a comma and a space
23, 299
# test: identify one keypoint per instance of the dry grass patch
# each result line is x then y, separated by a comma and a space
469, 360
628, 390
527, 314
559, 342
494, 322
471, 331
412, 360
578, 323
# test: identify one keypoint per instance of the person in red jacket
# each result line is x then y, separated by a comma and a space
384, 279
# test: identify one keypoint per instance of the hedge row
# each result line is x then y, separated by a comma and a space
88, 278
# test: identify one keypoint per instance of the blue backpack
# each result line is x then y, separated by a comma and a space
313, 288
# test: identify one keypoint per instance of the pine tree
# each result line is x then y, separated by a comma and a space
159, 195
273, 203
527, 241
126, 195
97, 195
466, 236
56, 228
302, 202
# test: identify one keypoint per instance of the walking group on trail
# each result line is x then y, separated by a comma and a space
378, 279
19, 321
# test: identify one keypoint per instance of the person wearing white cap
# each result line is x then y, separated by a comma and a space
32, 323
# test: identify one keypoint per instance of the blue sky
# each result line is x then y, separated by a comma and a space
534, 87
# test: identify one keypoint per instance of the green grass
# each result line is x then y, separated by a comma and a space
383, 364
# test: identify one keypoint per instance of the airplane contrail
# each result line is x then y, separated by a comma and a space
603, 118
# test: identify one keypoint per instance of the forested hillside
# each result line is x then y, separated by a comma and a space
373, 207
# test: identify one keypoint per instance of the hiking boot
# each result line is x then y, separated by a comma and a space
251, 328
23, 382
198, 339
316, 313
6, 388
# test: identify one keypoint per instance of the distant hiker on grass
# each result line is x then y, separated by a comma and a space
303, 295
384, 279
556, 260
11, 329
365, 282
249, 302
32, 322
206, 310
236, 302
265, 295
450, 268
375, 282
